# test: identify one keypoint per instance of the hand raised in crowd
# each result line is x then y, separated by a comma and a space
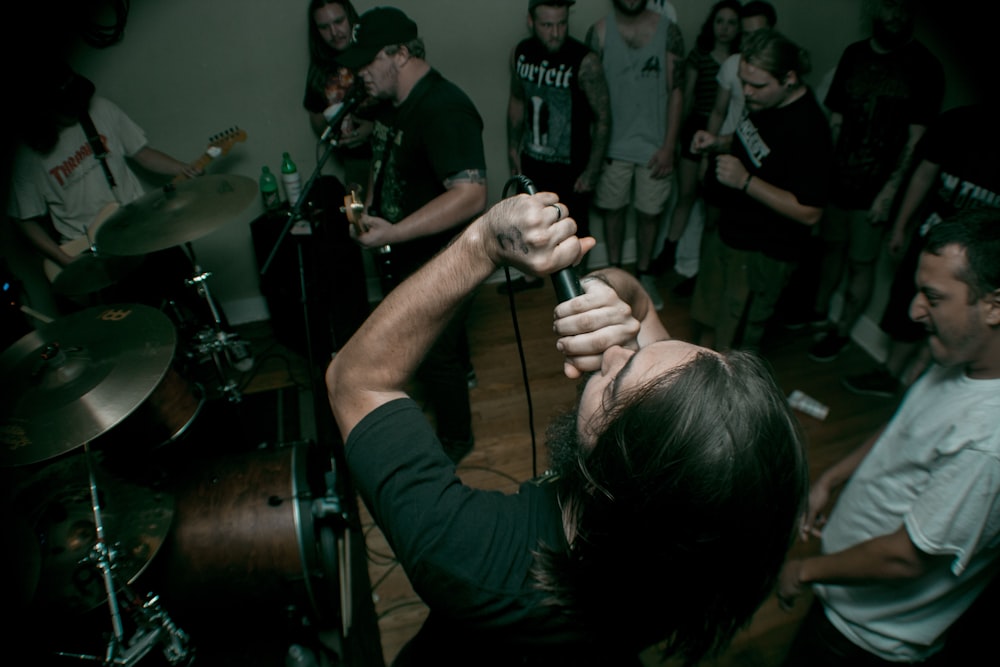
730, 171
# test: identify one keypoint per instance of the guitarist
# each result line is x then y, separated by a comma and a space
428, 180
60, 186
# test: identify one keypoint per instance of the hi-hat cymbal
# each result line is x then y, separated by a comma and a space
57, 504
76, 377
175, 214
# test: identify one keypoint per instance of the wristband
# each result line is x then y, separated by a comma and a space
746, 183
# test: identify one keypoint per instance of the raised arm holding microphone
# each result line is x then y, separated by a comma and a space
675, 458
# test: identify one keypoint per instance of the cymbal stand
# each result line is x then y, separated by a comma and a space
215, 341
154, 626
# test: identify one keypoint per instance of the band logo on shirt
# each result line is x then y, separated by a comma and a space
63, 172
543, 75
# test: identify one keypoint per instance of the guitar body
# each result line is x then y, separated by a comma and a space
353, 208
219, 145
77, 247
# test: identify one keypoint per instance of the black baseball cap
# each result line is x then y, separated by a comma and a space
376, 29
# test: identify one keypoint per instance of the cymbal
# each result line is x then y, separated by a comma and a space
77, 377
176, 214
56, 503
90, 272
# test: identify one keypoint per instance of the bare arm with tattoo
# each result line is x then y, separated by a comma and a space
515, 119
662, 162
595, 87
523, 231
463, 199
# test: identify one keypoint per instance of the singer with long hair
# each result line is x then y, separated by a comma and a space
674, 459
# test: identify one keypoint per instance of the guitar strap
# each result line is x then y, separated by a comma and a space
100, 152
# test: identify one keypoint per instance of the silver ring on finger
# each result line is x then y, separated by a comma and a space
558, 211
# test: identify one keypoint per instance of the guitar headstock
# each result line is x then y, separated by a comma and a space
220, 144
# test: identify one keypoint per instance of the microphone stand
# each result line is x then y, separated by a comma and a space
294, 215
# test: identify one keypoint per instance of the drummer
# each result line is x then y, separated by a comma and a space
60, 187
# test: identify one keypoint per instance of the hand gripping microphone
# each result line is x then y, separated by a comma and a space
565, 281
353, 100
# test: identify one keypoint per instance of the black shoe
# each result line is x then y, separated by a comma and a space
828, 347
519, 285
813, 320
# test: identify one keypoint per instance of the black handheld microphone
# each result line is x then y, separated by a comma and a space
565, 281
353, 100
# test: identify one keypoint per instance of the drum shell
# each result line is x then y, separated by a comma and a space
244, 537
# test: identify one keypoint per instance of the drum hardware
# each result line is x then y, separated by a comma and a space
214, 342
153, 626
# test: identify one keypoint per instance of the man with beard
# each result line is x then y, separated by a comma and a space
642, 53
769, 179
331, 27
884, 93
428, 180
675, 458
913, 538
558, 117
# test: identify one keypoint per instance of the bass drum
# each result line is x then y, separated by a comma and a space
259, 532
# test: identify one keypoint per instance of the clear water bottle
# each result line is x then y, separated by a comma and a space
290, 177
269, 189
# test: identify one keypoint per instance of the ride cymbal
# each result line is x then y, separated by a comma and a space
175, 214
77, 377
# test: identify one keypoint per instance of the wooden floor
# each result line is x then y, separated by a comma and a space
509, 438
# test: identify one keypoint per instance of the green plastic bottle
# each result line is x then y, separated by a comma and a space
290, 177
269, 189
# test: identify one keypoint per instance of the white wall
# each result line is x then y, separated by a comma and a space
187, 69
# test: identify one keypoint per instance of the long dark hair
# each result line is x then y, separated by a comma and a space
706, 36
685, 508
322, 58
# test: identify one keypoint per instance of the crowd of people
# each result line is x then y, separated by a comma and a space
682, 451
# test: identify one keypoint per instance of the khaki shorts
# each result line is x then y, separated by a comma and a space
614, 188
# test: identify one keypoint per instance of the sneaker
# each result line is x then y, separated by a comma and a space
878, 382
519, 285
648, 283
828, 347
813, 320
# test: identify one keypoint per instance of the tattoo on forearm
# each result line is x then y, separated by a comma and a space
513, 241
474, 176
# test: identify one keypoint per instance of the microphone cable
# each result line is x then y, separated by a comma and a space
526, 186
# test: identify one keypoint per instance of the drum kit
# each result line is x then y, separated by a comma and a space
170, 217
82, 390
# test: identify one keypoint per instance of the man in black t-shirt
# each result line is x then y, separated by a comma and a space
558, 114
428, 180
770, 182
